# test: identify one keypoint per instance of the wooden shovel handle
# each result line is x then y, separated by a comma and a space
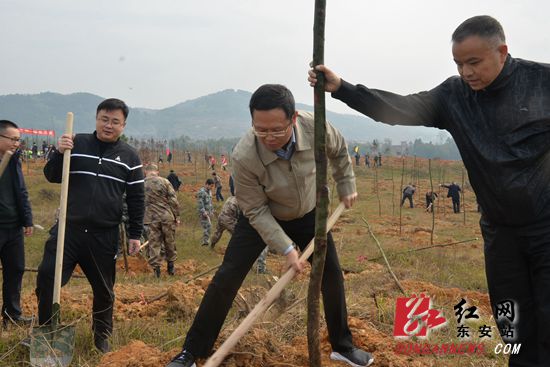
265, 302
62, 214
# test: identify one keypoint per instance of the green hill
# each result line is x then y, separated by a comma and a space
217, 115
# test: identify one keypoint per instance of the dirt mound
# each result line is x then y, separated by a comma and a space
135, 354
178, 301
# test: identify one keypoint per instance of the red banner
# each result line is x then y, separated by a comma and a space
36, 132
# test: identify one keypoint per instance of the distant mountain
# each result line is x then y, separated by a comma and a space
217, 115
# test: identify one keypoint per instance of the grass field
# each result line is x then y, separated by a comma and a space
148, 333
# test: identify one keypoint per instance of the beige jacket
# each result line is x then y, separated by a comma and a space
268, 187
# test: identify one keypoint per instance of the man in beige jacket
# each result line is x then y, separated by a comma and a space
274, 172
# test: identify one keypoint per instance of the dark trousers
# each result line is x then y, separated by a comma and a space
456, 205
407, 196
243, 249
219, 195
517, 263
12, 256
95, 252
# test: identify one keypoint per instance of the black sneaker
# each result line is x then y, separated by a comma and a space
356, 357
184, 359
156, 270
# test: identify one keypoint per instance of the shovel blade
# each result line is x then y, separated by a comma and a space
52, 347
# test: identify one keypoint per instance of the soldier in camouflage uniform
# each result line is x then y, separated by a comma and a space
205, 209
227, 221
161, 217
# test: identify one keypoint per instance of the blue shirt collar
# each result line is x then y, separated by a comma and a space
286, 153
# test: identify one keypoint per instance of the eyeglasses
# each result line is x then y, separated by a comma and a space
273, 133
13, 139
106, 121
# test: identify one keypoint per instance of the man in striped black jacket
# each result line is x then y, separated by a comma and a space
102, 168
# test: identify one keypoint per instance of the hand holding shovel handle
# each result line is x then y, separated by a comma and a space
61, 225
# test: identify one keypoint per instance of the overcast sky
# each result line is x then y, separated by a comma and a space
158, 53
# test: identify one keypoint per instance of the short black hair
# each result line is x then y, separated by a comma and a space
112, 104
209, 181
270, 96
4, 124
483, 26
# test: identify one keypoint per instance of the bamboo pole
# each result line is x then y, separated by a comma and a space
439, 185
392, 193
265, 302
400, 195
432, 203
444, 196
463, 197
321, 210
377, 191
413, 170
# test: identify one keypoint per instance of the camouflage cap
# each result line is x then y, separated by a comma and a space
151, 167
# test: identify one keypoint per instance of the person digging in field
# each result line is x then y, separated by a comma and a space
103, 167
15, 222
408, 193
227, 220
206, 210
498, 112
430, 200
161, 217
278, 211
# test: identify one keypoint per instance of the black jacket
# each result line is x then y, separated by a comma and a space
454, 191
502, 133
22, 196
99, 175
174, 180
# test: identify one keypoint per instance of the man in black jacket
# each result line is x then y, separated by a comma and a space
15, 220
454, 193
498, 112
102, 168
